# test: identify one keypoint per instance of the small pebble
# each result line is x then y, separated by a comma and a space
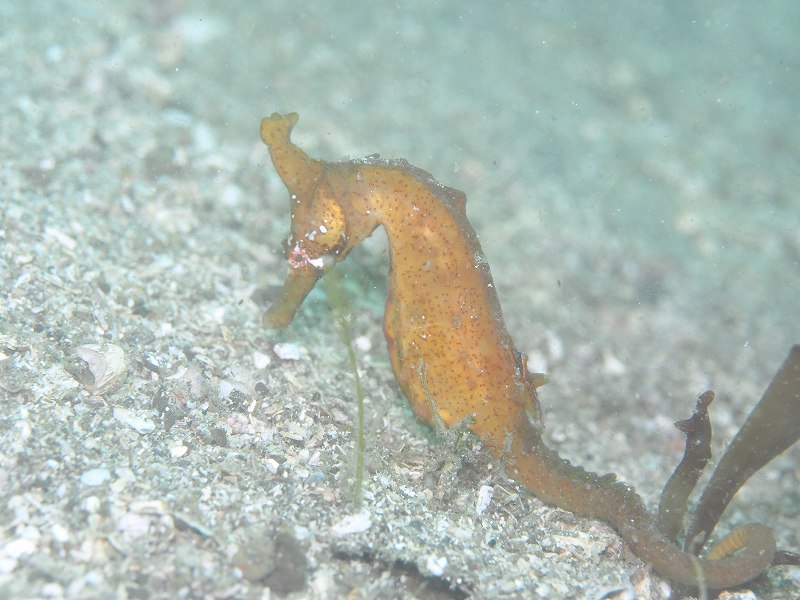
133, 526
363, 343
746, 595
613, 365
272, 465
436, 565
19, 548
357, 523
316, 478
60, 533
178, 451
95, 477
287, 351
260, 360
91, 504
225, 388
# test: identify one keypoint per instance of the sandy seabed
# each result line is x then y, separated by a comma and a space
631, 169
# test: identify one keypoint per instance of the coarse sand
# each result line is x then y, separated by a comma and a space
632, 170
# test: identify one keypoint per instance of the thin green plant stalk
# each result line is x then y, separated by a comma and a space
339, 304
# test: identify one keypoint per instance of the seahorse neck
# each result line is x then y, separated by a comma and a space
418, 214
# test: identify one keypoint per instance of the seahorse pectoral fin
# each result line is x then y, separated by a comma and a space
299, 282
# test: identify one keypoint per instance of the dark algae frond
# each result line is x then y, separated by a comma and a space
772, 427
456, 363
675, 497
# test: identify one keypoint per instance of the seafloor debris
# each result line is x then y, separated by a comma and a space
105, 363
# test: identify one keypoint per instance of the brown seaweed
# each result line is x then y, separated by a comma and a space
772, 427
675, 497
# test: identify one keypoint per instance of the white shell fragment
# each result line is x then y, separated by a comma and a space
60, 533
13, 552
106, 363
178, 451
287, 351
261, 360
95, 477
133, 420
19, 548
133, 525
484, 498
436, 565
357, 523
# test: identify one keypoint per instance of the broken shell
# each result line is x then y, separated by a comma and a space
133, 420
484, 498
106, 363
436, 565
357, 523
287, 351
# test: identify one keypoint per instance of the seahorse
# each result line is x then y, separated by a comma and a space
449, 347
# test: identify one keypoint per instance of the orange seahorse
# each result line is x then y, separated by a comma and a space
449, 346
